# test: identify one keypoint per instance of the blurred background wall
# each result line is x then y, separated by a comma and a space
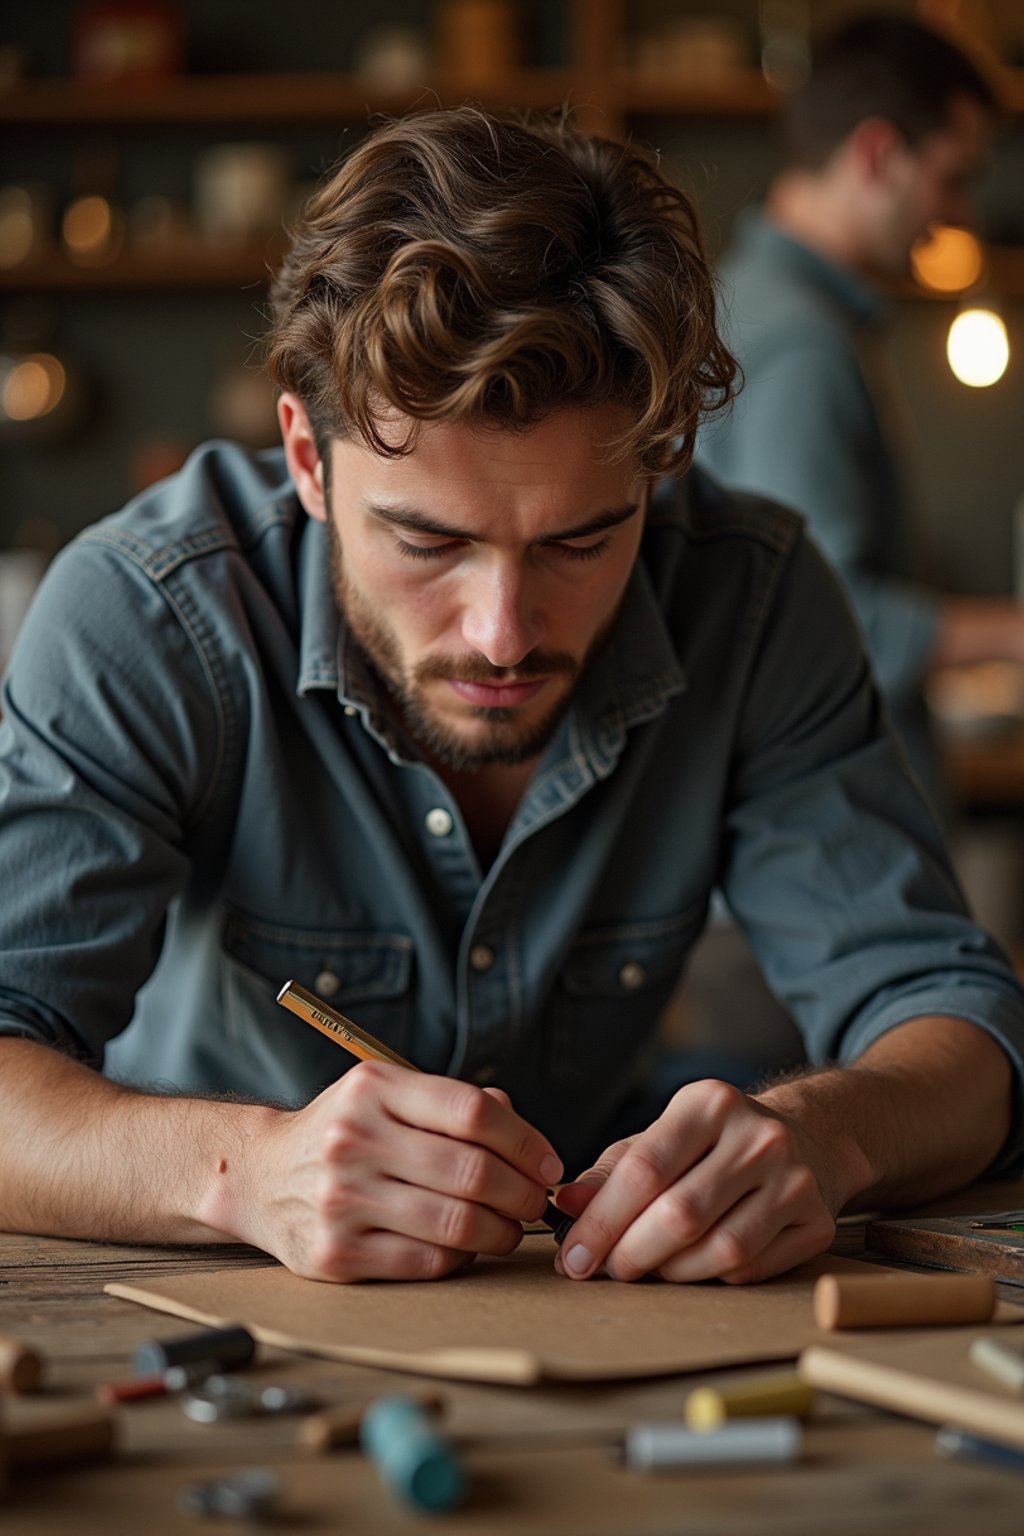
200, 125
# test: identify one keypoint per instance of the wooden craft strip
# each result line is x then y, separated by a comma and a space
913, 1392
512, 1367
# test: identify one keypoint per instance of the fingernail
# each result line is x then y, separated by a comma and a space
578, 1260
551, 1169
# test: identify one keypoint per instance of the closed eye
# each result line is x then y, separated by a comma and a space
426, 551
581, 551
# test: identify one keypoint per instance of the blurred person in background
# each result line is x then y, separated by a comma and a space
884, 140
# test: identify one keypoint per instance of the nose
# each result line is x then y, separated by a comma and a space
501, 618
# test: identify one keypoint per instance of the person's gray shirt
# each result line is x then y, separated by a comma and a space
203, 793
807, 430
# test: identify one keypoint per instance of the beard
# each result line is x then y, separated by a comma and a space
503, 738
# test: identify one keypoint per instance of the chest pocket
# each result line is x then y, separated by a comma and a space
366, 974
615, 984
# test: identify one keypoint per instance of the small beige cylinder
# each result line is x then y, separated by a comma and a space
330, 1429
85, 1435
20, 1367
902, 1301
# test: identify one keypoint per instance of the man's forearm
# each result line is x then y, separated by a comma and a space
84, 1157
978, 629
923, 1111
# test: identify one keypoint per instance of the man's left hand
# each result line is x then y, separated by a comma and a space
719, 1187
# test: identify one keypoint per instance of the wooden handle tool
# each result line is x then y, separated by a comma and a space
333, 1428
84, 1434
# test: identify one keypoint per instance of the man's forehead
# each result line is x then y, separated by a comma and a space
562, 460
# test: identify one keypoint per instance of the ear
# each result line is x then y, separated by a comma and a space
873, 146
302, 455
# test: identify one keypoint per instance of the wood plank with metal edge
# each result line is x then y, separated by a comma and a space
949, 1243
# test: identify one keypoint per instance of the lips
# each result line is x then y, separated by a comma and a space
497, 695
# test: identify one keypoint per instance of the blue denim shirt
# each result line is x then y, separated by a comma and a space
807, 429
203, 793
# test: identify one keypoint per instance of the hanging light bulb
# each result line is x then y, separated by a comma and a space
92, 231
978, 348
947, 259
31, 387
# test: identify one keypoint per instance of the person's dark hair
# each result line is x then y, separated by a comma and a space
495, 269
890, 67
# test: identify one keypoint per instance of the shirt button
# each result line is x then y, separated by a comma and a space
484, 1076
327, 982
351, 710
439, 822
481, 957
632, 975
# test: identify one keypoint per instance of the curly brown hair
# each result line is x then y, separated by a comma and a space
493, 269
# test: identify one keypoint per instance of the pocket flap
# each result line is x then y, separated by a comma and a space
616, 961
351, 966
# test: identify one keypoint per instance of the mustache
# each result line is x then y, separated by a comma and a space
477, 669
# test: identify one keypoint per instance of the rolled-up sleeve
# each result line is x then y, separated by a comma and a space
109, 743
835, 868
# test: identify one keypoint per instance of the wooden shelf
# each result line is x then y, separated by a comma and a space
300, 99
216, 268
744, 93
266, 100
238, 267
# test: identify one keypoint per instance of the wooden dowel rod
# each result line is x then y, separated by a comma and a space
902, 1301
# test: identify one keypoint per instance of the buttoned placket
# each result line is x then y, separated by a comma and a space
490, 1005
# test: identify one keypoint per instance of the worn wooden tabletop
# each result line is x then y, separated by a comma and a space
540, 1460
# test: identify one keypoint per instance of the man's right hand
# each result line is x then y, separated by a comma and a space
389, 1175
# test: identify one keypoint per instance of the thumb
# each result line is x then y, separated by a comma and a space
574, 1198
499, 1094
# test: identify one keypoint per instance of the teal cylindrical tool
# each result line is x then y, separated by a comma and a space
413, 1459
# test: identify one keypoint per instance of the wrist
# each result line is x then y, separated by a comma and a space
827, 1146
232, 1166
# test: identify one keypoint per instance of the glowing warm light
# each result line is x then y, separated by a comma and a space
17, 226
33, 387
948, 259
92, 231
978, 348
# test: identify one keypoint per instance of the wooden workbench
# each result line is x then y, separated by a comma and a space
540, 1460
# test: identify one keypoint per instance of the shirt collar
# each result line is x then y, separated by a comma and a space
760, 236
633, 676
319, 619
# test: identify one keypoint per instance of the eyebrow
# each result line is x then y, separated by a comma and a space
422, 522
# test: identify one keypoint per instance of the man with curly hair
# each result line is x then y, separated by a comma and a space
456, 712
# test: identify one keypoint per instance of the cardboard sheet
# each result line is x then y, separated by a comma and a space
513, 1320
